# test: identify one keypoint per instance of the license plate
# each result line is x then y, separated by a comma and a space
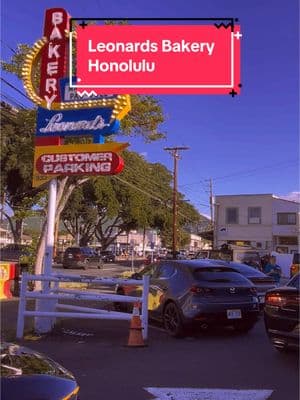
261, 299
234, 314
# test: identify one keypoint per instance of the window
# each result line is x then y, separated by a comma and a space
166, 271
288, 240
286, 218
218, 274
232, 215
254, 215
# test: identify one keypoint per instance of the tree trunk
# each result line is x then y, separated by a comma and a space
17, 232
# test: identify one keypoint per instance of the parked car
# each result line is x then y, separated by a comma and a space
81, 257
108, 256
295, 267
29, 375
261, 281
281, 315
185, 292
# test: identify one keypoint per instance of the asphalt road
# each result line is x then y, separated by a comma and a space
106, 369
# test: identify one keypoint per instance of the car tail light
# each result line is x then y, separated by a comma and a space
275, 299
201, 290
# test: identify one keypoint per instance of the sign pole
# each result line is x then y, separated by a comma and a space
44, 325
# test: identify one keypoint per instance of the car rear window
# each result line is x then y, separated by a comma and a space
218, 274
246, 270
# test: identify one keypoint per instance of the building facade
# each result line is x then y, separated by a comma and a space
262, 221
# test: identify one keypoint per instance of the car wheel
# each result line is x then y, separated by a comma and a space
244, 326
65, 267
172, 320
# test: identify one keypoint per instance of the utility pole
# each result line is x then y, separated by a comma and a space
211, 203
174, 151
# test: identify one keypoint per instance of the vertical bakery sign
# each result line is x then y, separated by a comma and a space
57, 117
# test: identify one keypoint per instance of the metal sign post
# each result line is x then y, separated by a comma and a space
43, 325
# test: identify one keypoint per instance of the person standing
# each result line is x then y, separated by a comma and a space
273, 270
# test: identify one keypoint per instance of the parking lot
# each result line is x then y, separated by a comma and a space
95, 351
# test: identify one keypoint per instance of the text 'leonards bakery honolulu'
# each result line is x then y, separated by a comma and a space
97, 163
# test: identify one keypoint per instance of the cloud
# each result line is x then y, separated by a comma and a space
293, 196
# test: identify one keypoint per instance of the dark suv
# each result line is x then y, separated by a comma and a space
81, 257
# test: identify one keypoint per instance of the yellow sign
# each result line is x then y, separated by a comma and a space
50, 159
120, 105
4, 277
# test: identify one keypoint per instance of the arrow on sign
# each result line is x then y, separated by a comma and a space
207, 394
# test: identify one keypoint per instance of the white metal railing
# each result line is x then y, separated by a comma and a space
53, 293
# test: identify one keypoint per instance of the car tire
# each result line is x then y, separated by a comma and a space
172, 320
244, 326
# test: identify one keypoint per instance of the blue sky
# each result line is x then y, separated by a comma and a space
246, 144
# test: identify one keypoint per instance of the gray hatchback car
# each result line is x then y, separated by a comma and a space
191, 291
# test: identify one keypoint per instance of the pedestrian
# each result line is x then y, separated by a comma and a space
273, 270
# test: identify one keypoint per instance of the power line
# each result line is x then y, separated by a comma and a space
243, 172
8, 46
15, 88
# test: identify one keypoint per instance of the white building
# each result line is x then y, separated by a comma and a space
6, 237
262, 221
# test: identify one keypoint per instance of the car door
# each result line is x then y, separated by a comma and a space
160, 287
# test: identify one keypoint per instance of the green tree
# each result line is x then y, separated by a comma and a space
16, 167
139, 198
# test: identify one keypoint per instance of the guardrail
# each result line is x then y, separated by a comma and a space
53, 293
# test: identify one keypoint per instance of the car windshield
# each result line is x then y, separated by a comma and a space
218, 274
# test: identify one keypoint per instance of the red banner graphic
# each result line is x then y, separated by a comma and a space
158, 59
